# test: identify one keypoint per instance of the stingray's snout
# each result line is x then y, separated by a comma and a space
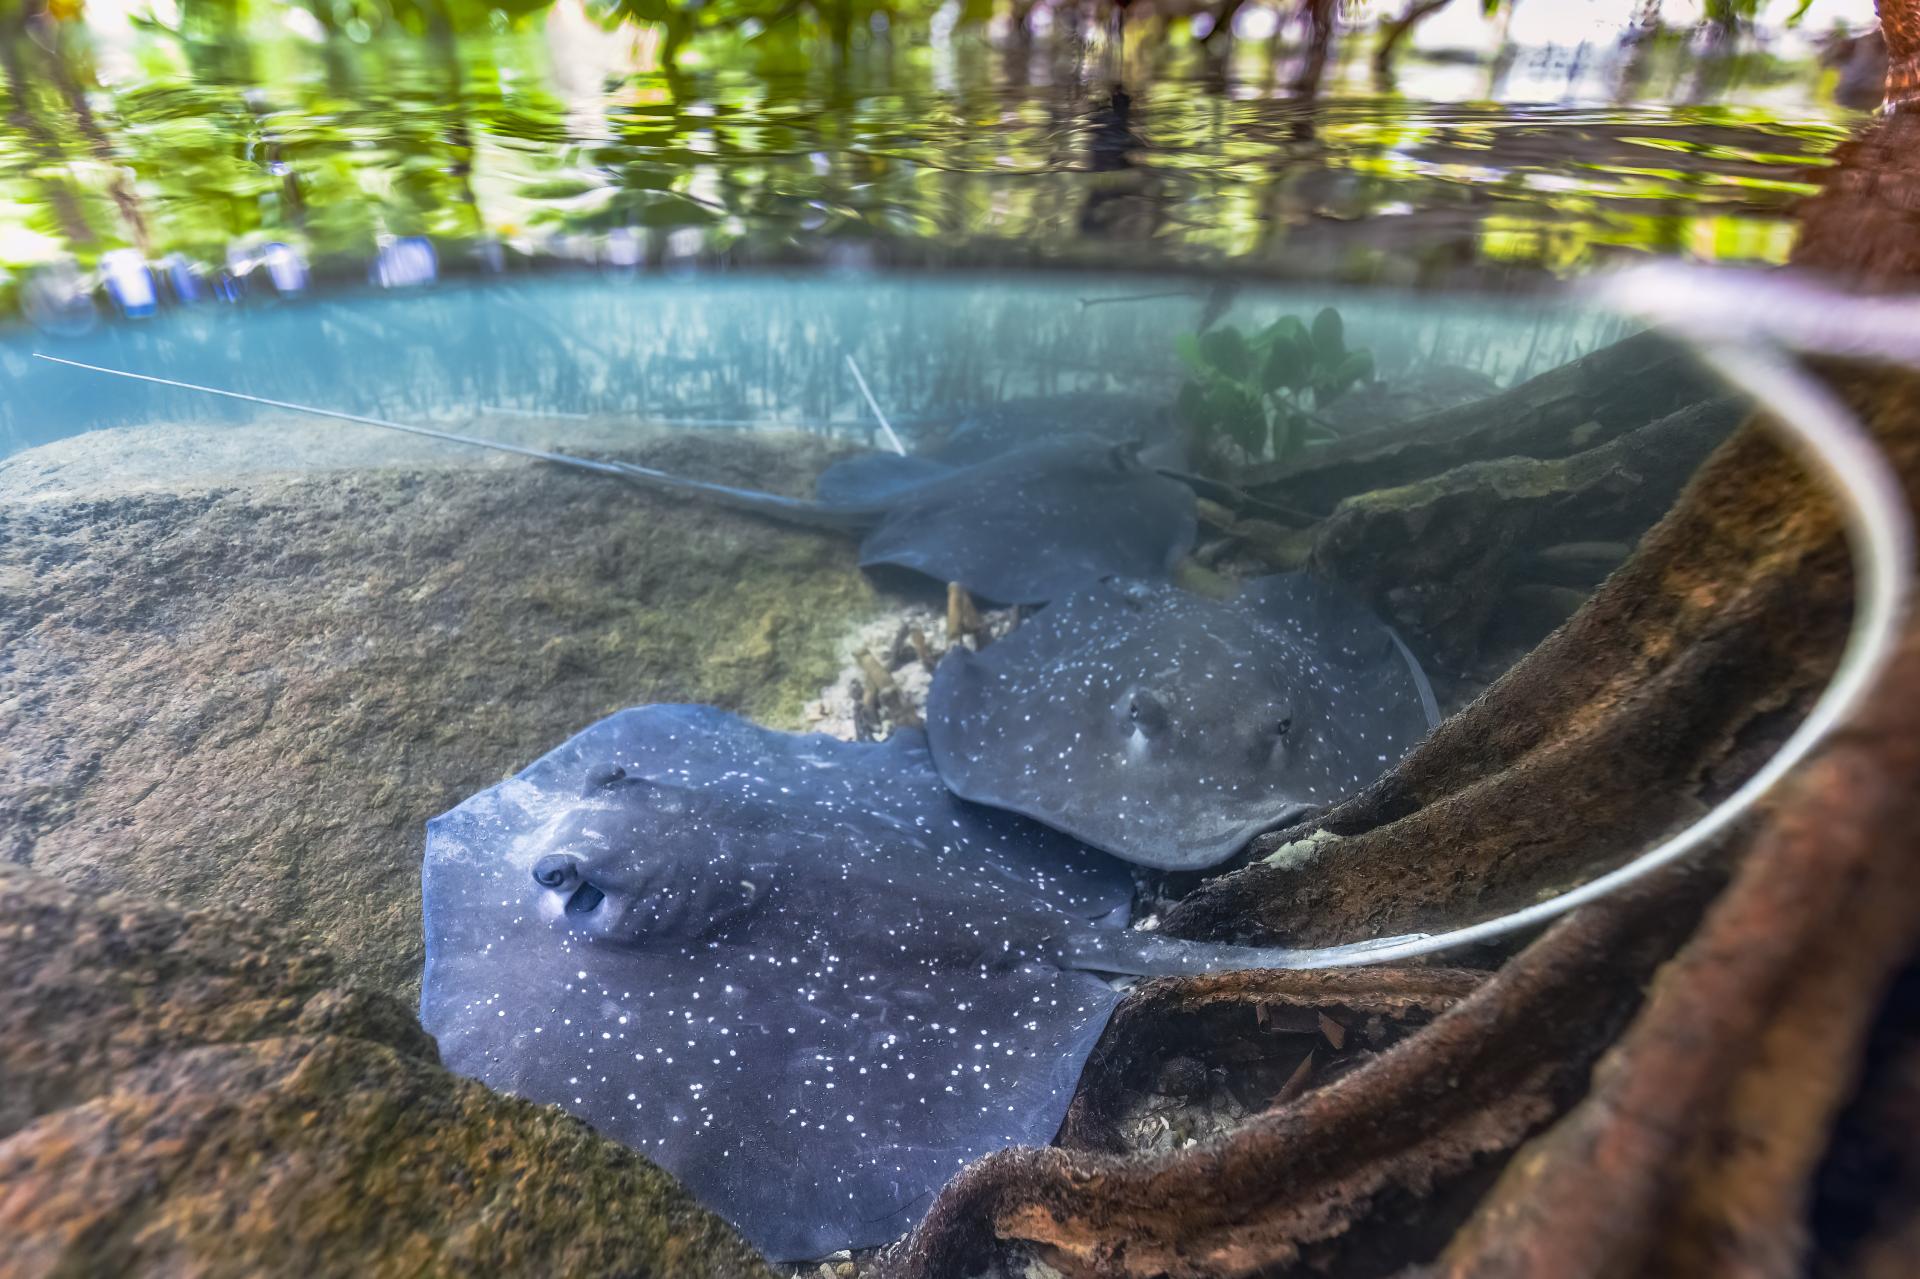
560, 873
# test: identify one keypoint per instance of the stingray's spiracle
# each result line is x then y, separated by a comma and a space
1742, 325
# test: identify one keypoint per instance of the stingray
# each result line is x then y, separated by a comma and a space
1169, 729
794, 971
1022, 526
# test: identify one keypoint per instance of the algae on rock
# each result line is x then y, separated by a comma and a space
191, 1093
254, 690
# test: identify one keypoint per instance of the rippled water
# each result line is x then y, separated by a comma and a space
548, 141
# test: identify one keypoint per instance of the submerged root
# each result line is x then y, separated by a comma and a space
1551, 1122
1694, 1152
1688, 667
1188, 1058
1420, 1119
888, 697
1443, 556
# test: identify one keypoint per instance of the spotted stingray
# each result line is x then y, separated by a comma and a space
795, 971
1169, 729
1022, 526
1019, 525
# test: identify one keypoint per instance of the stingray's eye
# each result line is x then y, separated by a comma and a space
1147, 713
1281, 729
606, 775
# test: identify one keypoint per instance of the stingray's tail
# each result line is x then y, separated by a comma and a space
791, 510
1135, 953
1428, 702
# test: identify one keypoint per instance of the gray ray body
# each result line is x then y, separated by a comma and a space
1169, 729
794, 971
1022, 526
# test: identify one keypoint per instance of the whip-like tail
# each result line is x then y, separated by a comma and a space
1133, 952
792, 510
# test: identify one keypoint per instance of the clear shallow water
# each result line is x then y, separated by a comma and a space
749, 350
262, 650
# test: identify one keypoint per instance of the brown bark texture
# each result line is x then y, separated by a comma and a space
1713, 1073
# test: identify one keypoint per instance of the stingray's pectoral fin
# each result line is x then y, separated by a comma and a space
1143, 954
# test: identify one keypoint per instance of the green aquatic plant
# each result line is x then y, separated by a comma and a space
1260, 394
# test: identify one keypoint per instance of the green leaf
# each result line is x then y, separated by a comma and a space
1226, 350
1289, 362
1329, 337
1287, 326
1239, 415
1356, 367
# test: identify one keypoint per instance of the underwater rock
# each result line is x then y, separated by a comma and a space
194, 1093
253, 689
1566, 410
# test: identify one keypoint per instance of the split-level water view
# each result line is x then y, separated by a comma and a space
631, 634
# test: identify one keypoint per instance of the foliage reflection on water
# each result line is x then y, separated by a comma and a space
202, 138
